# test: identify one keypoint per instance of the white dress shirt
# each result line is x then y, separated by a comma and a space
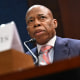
50, 43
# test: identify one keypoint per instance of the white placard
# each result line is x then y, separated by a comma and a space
9, 37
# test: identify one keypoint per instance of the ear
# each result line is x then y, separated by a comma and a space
55, 23
27, 29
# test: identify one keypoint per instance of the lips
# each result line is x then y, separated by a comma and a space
38, 32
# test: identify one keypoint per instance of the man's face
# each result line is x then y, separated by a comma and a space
40, 24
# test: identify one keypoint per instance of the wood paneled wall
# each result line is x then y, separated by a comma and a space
70, 13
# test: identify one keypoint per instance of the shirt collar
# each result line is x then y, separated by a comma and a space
51, 42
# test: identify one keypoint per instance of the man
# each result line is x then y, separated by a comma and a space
41, 25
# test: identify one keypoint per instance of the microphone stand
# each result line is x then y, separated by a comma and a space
31, 40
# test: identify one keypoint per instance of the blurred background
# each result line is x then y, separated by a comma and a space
66, 12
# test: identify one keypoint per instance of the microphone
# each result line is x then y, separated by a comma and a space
31, 40
25, 43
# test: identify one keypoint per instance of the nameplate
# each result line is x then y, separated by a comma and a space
9, 37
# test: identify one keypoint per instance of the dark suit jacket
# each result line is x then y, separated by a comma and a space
64, 48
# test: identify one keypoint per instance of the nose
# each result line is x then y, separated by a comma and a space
37, 23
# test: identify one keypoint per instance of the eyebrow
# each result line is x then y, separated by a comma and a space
32, 17
40, 14
29, 18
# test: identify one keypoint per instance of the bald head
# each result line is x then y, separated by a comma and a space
39, 7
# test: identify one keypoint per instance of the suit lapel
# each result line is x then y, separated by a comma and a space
61, 49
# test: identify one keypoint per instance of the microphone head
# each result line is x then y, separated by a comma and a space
32, 40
